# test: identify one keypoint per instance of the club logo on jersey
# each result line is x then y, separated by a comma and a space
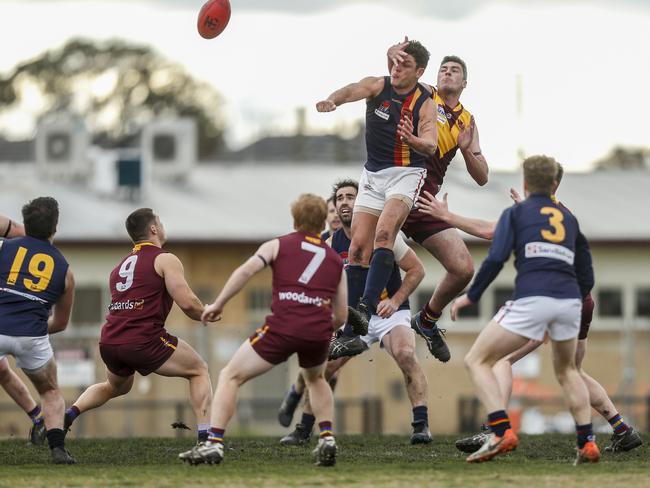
126, 305
304, 299
442, 115
551, 251
383, 111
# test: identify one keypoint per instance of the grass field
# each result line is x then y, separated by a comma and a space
364, 461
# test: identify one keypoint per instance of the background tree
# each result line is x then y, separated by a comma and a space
117, 87
625, 158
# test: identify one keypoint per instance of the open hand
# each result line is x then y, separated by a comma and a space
466, 134
396, 52
429, 204
386, 308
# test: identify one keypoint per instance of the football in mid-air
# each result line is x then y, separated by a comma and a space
213, 18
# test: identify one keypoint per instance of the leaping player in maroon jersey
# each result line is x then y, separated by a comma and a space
309, 301
144, 286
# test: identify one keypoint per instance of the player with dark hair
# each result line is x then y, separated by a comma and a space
9, 380
309, 300
391, 327
624, 436
400, 134
457, 130
549, 257
144, 286
35, 279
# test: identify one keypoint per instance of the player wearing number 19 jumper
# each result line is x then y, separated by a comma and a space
309, 300
144, 286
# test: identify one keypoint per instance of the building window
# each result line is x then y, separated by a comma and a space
88, 309
643, 302
501, 295
610, 302
259, 300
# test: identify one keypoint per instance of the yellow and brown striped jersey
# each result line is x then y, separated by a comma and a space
448, 130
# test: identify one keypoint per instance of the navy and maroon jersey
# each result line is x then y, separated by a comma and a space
306, 275
32, 279
341, 244
383, 114
549, 252
140, 302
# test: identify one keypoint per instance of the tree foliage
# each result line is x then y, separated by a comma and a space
625, 158
117, 87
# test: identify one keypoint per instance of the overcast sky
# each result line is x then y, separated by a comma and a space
585, 65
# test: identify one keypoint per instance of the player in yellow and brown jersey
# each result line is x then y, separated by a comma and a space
456, 131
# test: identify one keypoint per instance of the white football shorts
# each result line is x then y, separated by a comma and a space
401, 182
531, 317
379, 327
31, 353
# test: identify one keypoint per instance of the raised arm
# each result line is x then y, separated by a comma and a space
264, 256
396, 53
368, 87
426, 141
171, 269
62, 309
9, 228
470, 148
429, 204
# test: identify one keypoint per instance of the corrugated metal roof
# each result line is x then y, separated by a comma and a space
250, 202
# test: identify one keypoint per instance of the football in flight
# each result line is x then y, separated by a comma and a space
213, 18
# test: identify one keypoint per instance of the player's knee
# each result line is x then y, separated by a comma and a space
384, 238
463, 270
405, 357
470, 360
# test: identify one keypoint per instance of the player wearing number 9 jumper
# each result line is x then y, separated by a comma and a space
144, 287
309, 300
34, 279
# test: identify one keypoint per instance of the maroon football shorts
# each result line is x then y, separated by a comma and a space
420, 226
143, 357
587, 315
276, 348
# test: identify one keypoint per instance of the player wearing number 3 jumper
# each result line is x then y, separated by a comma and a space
144, 287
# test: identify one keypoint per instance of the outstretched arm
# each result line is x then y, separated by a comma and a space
264, 256
171, 269
368, 87
470, 148
428, 204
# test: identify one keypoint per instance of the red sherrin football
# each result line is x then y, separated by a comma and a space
213, 18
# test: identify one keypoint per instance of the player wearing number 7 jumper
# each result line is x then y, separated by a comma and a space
144, 287
309, 301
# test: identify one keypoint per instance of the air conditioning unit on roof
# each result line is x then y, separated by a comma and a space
169, 147
61, 145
